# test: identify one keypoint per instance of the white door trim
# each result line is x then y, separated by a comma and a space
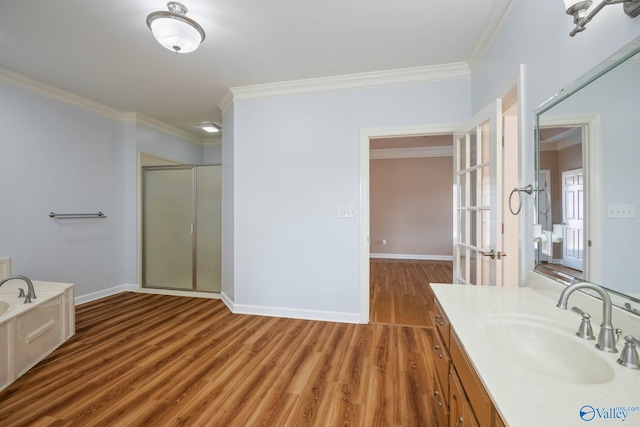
365, 136
592, 163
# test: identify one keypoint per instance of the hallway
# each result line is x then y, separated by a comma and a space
400, 292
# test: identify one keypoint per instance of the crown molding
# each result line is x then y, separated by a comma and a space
48, 91
459, 70
37, 87
500, 11
166, 128
411, 152
226, 101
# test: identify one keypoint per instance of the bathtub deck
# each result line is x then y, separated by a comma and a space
153, 360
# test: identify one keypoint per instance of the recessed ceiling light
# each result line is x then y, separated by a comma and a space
209, 127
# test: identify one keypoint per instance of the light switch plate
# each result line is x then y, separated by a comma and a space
346, 212
621, 211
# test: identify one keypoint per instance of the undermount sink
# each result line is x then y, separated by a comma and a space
538, 345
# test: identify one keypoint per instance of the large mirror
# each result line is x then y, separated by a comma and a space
588, 180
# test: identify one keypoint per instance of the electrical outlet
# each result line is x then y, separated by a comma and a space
346, 212
621, 211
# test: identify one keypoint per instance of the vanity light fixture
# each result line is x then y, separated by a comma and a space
579, 9
210, 127
174, 30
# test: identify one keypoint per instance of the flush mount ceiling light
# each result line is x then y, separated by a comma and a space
209, 127
579, 9
174, 30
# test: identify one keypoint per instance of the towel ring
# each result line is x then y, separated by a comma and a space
529, 190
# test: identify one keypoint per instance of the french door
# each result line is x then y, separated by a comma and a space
477, 199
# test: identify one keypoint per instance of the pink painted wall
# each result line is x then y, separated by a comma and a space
412, 206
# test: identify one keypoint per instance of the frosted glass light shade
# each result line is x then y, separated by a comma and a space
174, 30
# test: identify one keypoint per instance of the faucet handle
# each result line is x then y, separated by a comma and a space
585, 330
629, 355
20, 292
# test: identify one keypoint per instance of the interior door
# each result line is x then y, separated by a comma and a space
478, 190
573, 219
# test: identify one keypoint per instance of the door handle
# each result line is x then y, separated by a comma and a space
493, 254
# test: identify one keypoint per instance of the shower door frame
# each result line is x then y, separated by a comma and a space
194, 225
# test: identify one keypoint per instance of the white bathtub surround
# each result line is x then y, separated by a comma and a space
521, 393
30, 332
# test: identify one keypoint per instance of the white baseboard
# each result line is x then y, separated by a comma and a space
177, 293
105, 293
291, 313
413, 256
227, 301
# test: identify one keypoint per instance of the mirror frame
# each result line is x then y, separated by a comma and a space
627, 52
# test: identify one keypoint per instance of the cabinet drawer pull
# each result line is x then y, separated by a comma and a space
459, 422
435, 350
438, 320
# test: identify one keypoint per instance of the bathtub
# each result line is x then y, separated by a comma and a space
29, 332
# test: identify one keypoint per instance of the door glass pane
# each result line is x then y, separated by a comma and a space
473, 188
486, 228
462, 153
473, 258
473, 146
462, 265
486, 143
209, 228
462, 235
485, 185
472, 228
462, 193
168, 248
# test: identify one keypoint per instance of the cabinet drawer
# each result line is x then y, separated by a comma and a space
477, 396
442, 361
441, 322
440, 406
461, 414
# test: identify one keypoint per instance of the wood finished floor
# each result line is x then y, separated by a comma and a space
400, 292
153, 360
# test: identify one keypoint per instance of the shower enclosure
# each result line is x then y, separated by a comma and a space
181, 223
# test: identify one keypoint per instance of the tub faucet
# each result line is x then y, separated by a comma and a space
32, 292
606, 338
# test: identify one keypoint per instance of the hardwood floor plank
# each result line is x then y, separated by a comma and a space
153, 360
400, 292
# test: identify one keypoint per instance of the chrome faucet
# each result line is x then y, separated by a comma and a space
606, 337
32, 292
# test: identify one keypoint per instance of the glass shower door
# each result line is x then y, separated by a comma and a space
168, 211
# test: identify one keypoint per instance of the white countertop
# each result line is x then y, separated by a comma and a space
524, 397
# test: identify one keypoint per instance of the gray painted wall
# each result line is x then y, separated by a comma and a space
295, 160
56, 157
536, 34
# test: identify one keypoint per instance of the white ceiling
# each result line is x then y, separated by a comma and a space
103, 50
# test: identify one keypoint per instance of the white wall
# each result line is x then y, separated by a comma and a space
536, 34
58, 158
213, 152
228, 205
295, 160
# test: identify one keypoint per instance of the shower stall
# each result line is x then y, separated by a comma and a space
181, 227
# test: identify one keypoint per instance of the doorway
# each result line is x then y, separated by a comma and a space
181, 228
562, 155
410, 216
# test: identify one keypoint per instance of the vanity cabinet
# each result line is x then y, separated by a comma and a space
460, 399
